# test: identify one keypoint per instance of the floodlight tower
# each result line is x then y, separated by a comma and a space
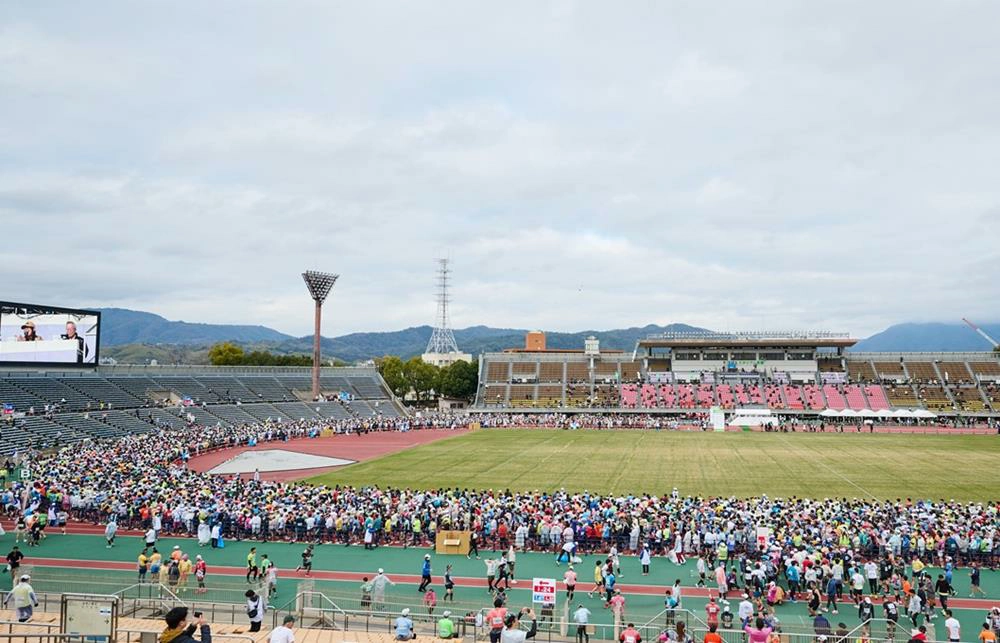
319, 285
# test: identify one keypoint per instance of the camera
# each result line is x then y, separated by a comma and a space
197, 614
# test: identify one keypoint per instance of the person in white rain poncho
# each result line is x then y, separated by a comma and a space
204, 534
633, 537
378, 588
520, 535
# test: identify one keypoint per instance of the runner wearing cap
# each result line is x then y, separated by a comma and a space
24, 599
425, 573
582, 619
404, 626
378, 589
446, 626
283, 633
512, 633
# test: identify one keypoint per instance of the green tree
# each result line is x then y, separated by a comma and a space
421, 376
459, 380
226, 354
390, 368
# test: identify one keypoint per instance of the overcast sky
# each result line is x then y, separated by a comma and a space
744, 165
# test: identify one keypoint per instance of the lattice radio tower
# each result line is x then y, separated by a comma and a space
442, 339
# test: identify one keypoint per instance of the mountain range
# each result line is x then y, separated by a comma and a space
131, 336
929, 336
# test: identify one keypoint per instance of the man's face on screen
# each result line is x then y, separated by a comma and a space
70, 329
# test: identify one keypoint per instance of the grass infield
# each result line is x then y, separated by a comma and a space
813, 465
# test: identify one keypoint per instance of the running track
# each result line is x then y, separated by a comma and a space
355, 447
410, 579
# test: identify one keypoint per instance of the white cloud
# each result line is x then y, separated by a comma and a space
693, 81
585, 167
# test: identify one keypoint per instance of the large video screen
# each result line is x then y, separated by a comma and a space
43, 335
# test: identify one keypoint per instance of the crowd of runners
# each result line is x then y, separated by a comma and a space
143, 487
762, 551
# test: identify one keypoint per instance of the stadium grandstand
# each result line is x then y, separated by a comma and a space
793, 373
64, 406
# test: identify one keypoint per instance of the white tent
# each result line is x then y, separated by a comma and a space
753, 420
867, 413
902, 413
923, 413
848, 413
829, 413
884, 413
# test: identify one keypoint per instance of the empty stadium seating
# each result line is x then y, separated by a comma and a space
922, 371
648, 397
813, 397
550, 396
496, 372
726, 399
901, 395
954, 372
861, 371
834, 399
857, 383
705, 395
890, 370
968, 398
772, 394
989, 369
577, 372
877, 400
577, 394
793, 397
934, 397
551, 372
855, 398
685, 396
668, 395
89, 406
630, 396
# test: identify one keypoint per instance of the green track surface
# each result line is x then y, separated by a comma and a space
398, 561
725, 464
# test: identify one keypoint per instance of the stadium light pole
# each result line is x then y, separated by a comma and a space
319, 285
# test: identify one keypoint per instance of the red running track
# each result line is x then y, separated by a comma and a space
411, 579
355, 447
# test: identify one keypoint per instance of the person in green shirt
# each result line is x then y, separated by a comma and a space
446, 627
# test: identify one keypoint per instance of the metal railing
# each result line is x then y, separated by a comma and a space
122, 633
43, 638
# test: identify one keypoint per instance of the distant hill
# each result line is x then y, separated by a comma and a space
122, 326
131, 336
134, 336
929, 337
476, 339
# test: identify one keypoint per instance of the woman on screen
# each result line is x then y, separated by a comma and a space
29, 333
